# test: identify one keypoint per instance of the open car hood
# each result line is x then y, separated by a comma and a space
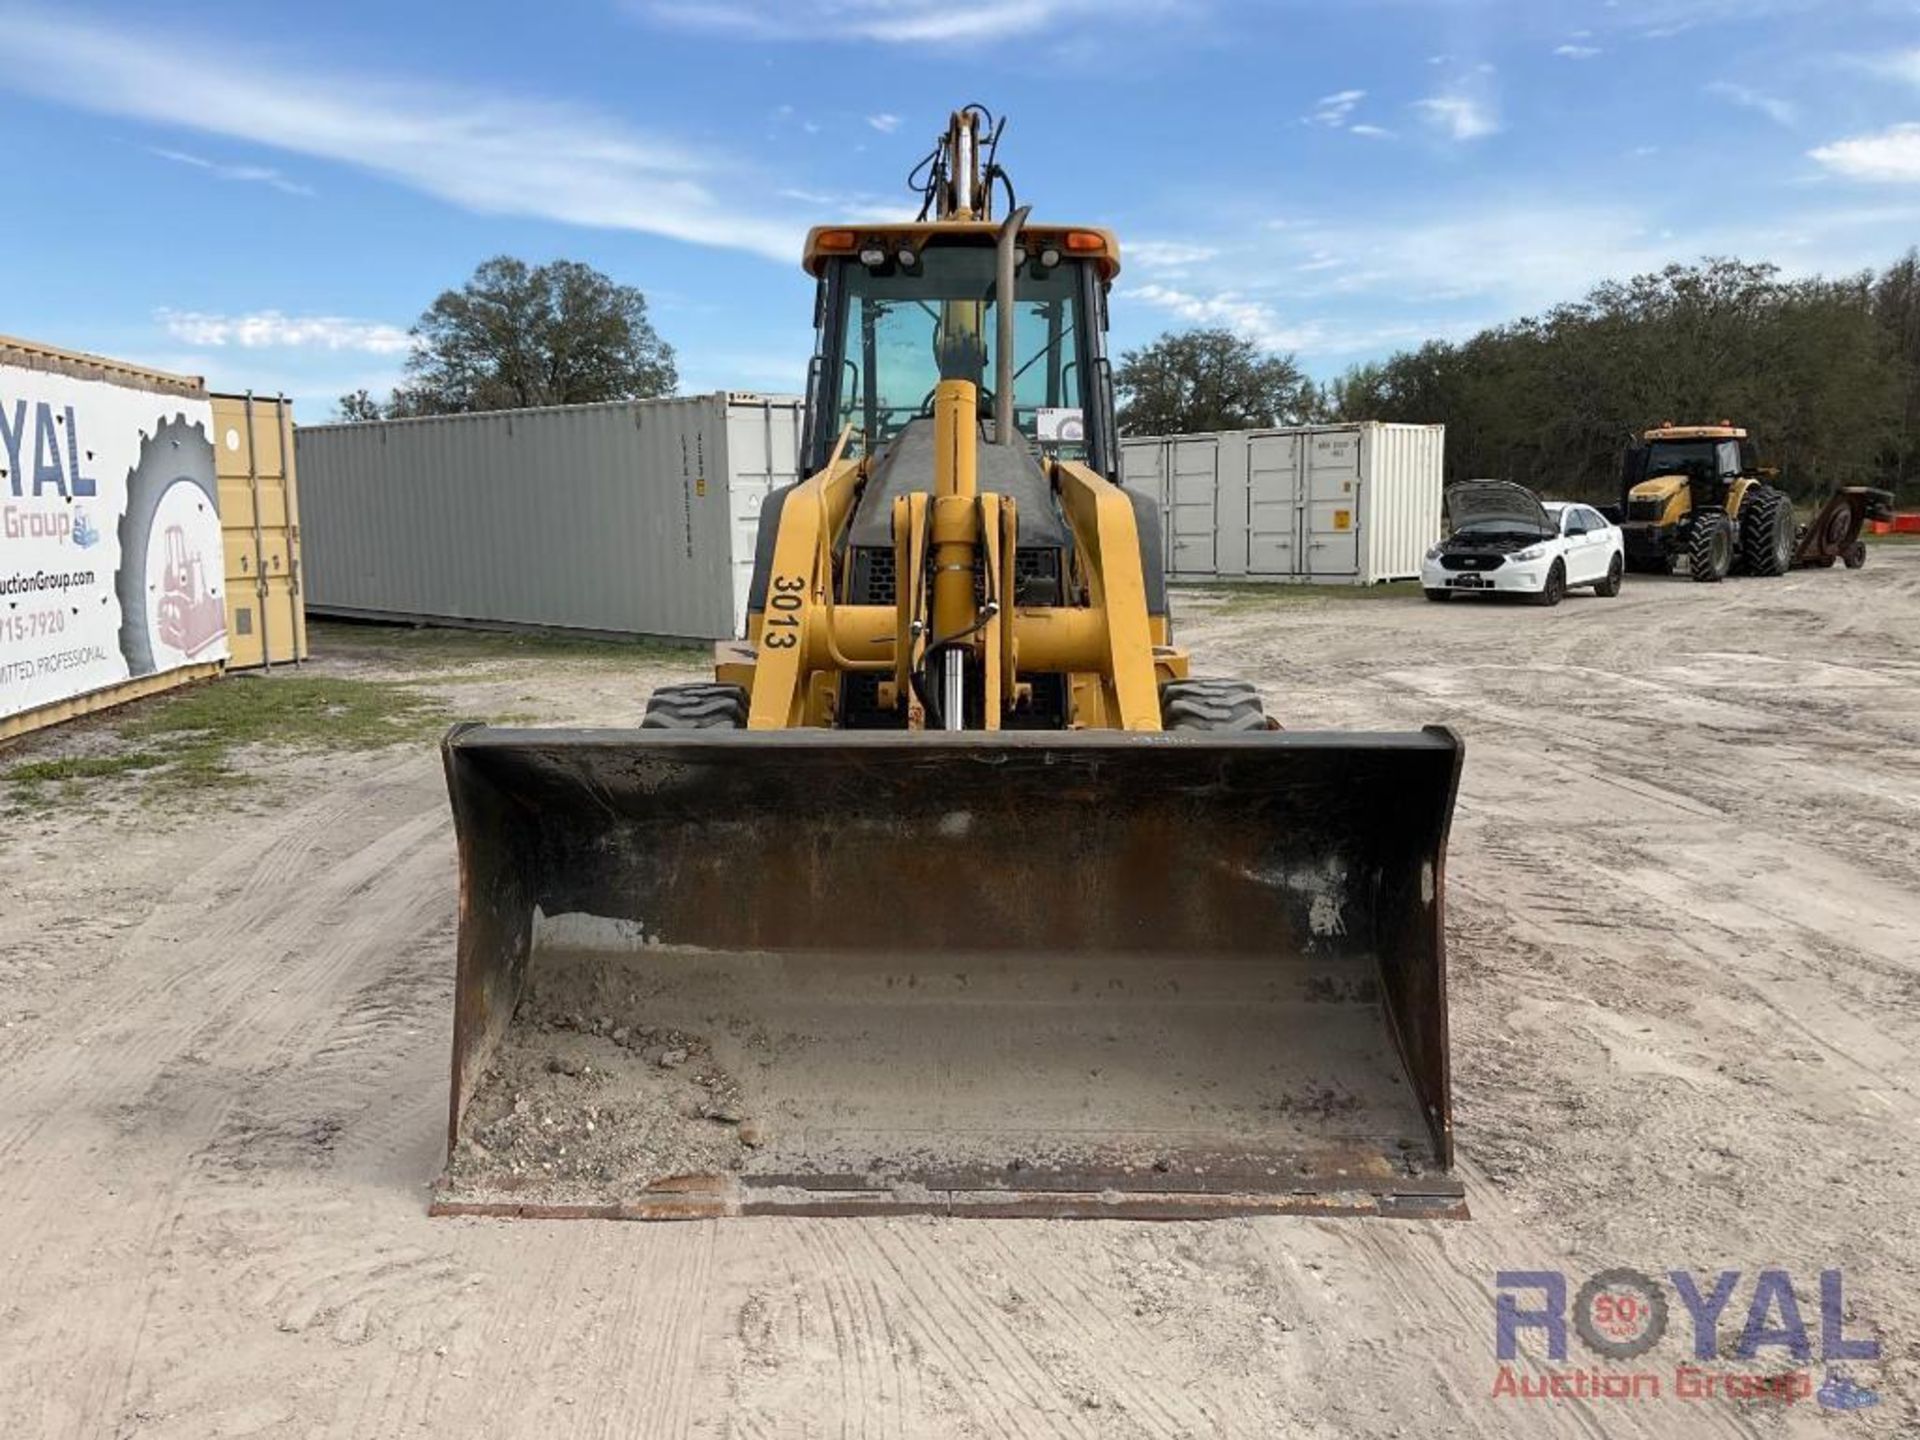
1481, 501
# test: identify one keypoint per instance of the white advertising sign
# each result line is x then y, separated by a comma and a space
111, 564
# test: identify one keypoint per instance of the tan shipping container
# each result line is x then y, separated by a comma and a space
260, 515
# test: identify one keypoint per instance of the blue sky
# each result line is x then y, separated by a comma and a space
270, 194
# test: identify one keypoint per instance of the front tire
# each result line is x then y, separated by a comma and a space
1554, 588
1766, 532
1608, 588
1856, 555
1213, 706
1710, 546
696, 707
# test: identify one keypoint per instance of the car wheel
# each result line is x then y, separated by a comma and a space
1608, 588
1554, 588
1439, 595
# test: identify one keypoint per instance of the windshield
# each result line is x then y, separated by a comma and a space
1683, 457
899, 331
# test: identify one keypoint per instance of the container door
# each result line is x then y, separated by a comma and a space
1273, 505
259, 519
1193, 494
763, 449
1143, 470
1332, 492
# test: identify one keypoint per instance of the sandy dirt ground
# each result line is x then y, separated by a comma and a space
1684, 912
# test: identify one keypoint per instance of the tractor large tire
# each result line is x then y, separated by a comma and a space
1212, 705
696, 707
1709, 546
1766, 532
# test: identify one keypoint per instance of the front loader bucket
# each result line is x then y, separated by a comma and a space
1071, 974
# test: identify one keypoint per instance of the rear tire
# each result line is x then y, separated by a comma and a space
696, 707
1709, 546
1856, 555
1766, 532
1217, 706
1608, 588
1439, 596
1554, 588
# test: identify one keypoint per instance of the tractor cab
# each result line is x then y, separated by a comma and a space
1679, 468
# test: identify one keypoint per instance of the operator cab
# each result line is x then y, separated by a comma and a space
902, 308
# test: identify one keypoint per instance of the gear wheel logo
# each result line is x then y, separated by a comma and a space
176, 454
1620, 1313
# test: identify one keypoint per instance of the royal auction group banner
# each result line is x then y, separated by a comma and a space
111, 564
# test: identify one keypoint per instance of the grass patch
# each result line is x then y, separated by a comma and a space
1262, 594
83, 767
441, 647
186, 740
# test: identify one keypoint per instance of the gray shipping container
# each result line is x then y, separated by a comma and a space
630, 518
1330, 504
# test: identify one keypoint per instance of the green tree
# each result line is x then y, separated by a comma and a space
1811, 367
1209, 380
516, 336
360, 405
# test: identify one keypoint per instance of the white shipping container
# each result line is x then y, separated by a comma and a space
1330, 504
630, 518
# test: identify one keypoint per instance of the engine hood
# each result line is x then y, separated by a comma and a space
1479, 502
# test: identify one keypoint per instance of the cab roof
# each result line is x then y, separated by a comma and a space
1669, 431
1077, 242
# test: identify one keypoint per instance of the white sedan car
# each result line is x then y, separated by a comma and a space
1505, 541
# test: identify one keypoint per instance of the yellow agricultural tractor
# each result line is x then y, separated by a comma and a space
1695, 494
960, 892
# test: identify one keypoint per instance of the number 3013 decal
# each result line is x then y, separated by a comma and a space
782, 625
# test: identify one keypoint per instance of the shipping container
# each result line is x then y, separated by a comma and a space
633, 518
111, 586
1346, 504
260, 519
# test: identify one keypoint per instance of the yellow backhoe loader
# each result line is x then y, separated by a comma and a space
952, 890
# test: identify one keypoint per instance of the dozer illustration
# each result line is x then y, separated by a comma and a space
963, 892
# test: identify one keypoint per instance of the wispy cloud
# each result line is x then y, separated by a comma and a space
1781, 112
248, 174
1459, 115
884, 123
1242, 314
1890, 156
1576, 52
271, 330
1166, 257
480, 150
1371, 132
888, 22
1333, 110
